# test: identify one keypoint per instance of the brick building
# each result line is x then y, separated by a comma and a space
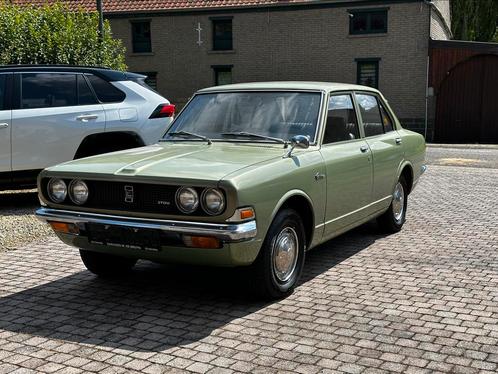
184, 45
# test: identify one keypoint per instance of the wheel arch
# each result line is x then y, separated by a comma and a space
406, 170
129, 139
302, 203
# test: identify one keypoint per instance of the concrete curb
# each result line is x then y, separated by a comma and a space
463, 146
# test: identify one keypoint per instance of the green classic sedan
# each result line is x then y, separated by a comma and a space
250, 175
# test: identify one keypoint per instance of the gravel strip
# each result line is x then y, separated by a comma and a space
18, 224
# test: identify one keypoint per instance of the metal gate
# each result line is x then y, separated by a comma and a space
467, 103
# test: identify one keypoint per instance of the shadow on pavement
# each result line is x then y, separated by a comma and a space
157, 306
25, 199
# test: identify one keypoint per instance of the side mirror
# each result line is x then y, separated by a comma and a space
298, 141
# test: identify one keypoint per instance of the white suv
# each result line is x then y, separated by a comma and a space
52, 114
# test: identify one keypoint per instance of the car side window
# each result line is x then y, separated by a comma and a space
85, 94
341, 120
48, 90
105, 91
3, 81
370, 114
386, 119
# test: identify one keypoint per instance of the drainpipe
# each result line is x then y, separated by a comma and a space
426, 120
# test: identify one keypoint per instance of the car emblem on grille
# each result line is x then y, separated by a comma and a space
129, 194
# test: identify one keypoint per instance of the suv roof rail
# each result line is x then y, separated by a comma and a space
105, 73
10, 66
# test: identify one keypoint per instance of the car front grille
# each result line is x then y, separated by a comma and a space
124, 196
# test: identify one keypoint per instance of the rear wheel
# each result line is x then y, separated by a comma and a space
106, 265
393, 219
279, 264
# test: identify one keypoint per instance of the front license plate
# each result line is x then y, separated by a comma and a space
124, 237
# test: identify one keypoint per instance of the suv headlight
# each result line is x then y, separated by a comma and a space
187, 199
57, 190
213, 201
78, 192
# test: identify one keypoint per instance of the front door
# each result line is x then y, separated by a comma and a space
55, 113
5, 125
385, 145
348, 166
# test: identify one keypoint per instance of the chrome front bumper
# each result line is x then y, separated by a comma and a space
231, 232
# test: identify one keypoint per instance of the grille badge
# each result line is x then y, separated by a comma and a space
129, 194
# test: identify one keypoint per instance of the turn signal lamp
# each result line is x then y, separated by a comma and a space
65, 228
201, 242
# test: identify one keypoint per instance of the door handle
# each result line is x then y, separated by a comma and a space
4, 125
87, 117
398, 141
364, 148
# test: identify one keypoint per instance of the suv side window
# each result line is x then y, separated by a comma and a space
3, 87
370, 114
105, 91
85, 94
386, 119
48, 90
341, 120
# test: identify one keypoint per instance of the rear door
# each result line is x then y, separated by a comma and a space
348, 164
55, 112
5, 123
385, 145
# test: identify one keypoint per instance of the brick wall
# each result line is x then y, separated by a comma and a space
304, 44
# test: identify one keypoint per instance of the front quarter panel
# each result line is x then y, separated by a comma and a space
267, 186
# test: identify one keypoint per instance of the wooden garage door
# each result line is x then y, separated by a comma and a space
467, 103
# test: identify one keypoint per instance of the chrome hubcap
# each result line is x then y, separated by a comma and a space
285, 253
398, 202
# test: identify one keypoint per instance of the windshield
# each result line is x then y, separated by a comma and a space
250, 116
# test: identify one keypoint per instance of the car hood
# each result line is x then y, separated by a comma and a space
176, 160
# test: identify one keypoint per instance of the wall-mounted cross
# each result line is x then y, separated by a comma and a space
199, 29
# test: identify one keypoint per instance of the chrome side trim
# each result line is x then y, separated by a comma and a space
353, 212
232, 232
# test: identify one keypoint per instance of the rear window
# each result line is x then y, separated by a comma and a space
48, 90
105, 91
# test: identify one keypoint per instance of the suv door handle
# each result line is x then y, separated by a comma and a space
398, 141
87, 117
4, 125
364, 148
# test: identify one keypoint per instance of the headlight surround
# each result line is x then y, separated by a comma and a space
57, 190
78, 192
187, 199
213, 201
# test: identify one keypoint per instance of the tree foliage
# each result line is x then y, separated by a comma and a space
474, 19
53, 34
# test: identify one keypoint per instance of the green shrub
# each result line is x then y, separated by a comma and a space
53, 34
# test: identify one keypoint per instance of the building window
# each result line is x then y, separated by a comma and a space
140, 36
368, 72
222, 34
373, 21
222, 74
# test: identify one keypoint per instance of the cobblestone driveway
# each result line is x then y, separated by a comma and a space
423, 300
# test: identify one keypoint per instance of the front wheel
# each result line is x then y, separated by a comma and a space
278, 267
106, 265
393, 219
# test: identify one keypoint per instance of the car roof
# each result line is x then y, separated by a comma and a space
289, 85
102, 72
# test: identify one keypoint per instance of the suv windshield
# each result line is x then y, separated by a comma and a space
250, 116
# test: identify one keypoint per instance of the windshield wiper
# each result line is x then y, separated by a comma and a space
256, 136
191, 134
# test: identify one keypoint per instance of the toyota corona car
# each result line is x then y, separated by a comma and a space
251, 175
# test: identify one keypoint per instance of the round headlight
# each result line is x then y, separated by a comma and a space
213, 201
78, 192
187, 199
57, 190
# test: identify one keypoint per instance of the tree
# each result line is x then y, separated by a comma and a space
54, 34
474, 19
